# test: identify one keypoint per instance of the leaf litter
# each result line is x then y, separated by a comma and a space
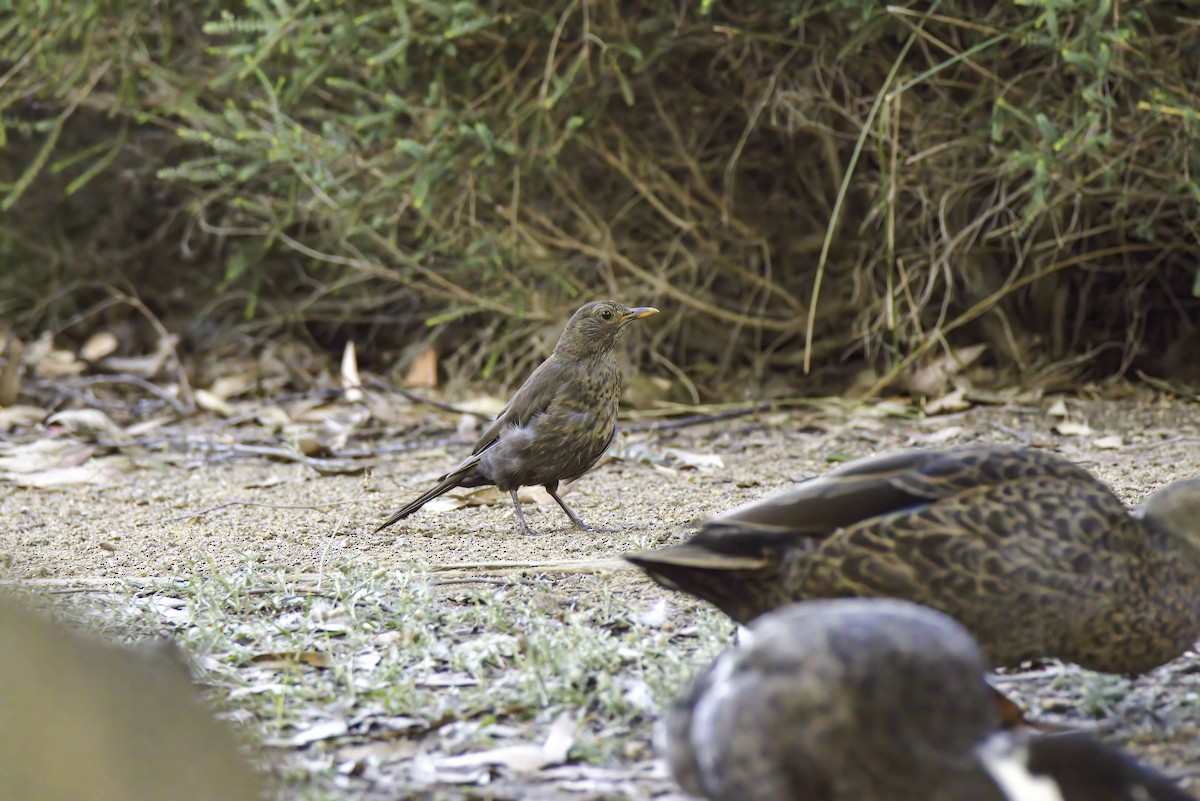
384, 678
475, 768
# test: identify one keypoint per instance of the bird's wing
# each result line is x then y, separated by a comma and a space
757, 537
533, 398
1044, 537
884, 485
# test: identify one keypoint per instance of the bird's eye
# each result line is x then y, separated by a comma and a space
606, 314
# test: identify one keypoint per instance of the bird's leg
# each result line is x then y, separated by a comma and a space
522, 526
553, 490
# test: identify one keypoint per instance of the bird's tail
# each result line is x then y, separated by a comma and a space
447, 483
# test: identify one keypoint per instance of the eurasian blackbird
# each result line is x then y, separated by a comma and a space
876, 700
559, 423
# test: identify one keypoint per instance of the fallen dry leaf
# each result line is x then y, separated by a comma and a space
213, 403
264, 483
325, 730
146, 426
468, 427
463, 498
638, 695
366, 660
232, 385
46, 361
695, 461
283, 659
59, 364
934, 378
257, 689
11, 349
87, 421
147, 366
1012, 716
174, 610
655, 615
96, 471
1058, 408
98, 346
380, 752
326, 616
1072, 428
273, 418
487, 405
376, 721
1113, 442
663, 470
423, 372
448, 680
890, 407
940, 436
21, 417
31, 457
351, 382
341, 424
955, 401
304, 440
525, 758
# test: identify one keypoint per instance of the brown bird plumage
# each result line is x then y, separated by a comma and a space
1035, 556
875, 700
561, 420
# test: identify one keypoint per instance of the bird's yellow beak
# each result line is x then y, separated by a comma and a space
639, 312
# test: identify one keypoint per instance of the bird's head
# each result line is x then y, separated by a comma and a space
1175, 509
596, 327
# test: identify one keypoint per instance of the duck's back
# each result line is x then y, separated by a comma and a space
834, 701
1035, 562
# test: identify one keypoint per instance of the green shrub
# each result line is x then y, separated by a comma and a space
1017, 174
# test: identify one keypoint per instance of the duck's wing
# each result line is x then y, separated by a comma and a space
532, 399
916, 524
1032, 567
887, 484
753, 537
799, 519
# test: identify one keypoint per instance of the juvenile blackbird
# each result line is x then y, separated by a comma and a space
559, 423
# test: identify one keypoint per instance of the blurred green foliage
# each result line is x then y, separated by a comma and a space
356, 162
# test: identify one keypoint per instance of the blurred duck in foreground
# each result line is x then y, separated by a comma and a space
1034, 555
83, 719
876, 700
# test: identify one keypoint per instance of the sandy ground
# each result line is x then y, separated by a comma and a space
183, 509
288, 515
